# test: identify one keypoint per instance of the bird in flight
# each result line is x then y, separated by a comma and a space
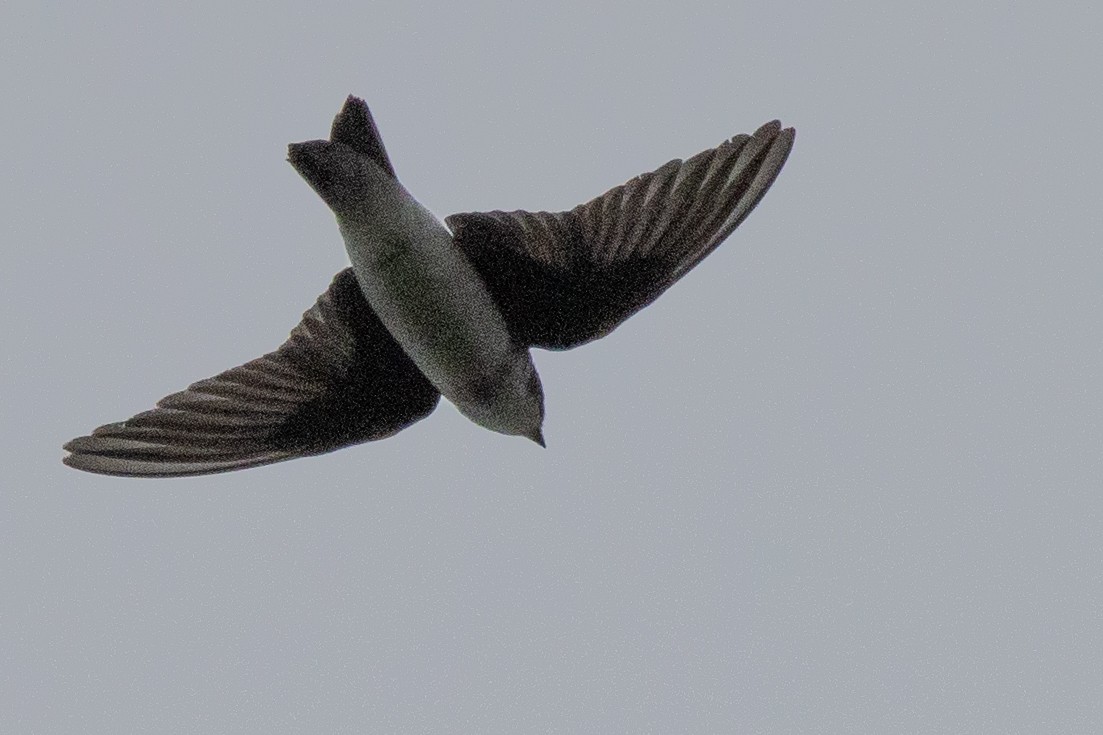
430, 309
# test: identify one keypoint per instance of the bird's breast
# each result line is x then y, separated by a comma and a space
428, 296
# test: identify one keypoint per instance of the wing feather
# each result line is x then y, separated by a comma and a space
339, 379
565, 278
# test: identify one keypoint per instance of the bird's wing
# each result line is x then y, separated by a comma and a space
339, 379
565, 278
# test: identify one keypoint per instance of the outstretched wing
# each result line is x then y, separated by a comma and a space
339, 379
565, 278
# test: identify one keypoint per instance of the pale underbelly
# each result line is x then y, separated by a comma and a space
435, 306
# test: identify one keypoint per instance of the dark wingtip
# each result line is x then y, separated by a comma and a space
769, 128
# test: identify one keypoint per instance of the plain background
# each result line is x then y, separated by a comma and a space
844, 477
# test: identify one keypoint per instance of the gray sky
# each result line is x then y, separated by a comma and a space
846, 476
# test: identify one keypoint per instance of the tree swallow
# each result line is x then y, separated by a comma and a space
430, 309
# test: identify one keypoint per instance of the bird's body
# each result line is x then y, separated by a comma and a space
425, 291
425, 312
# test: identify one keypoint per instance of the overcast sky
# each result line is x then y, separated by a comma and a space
844, 477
